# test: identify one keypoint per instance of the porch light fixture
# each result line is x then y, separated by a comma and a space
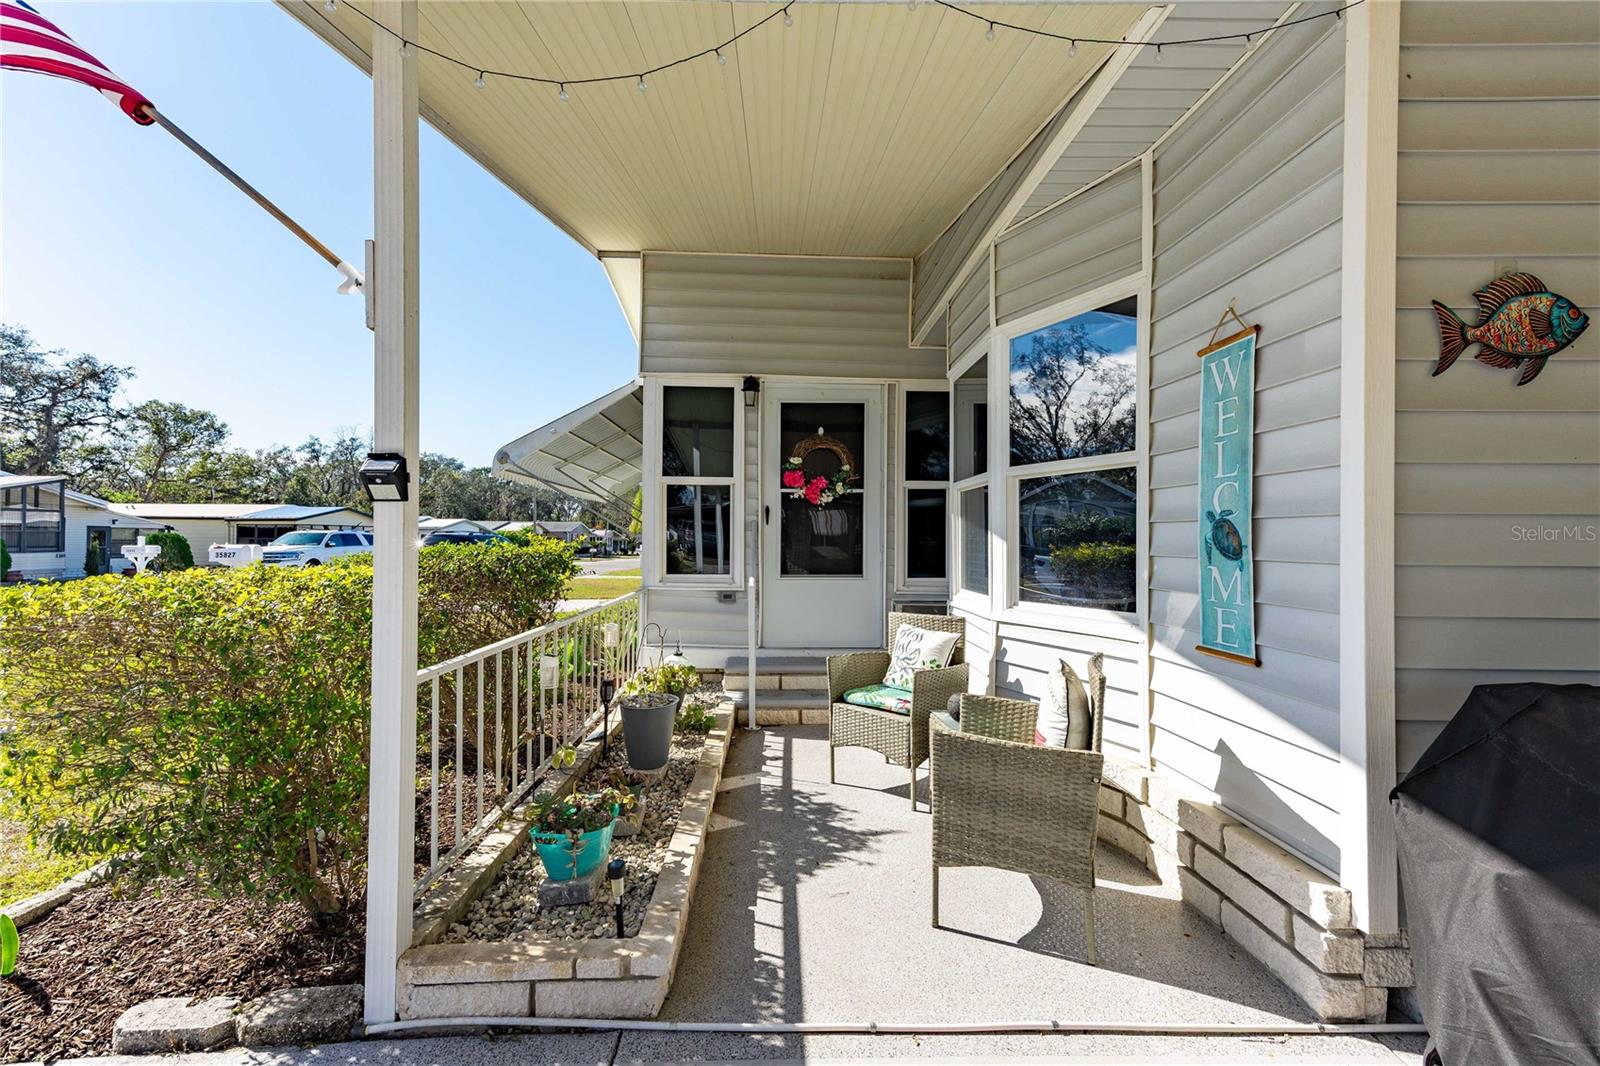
617, 881
385, 478
751, 389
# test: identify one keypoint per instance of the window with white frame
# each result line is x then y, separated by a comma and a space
1073, 459
925, 448
969, 406
698, 456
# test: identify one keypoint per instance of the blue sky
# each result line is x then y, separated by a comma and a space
118, 242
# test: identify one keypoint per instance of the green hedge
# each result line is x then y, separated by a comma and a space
213, 723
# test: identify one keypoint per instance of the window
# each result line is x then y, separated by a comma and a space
974, 514
1073, 460
348, 540
1072, 387
696, 432
699, 529
1077, 539
699, 438
971, 392
926, 446
33, 519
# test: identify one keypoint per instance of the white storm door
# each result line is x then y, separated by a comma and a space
822, 564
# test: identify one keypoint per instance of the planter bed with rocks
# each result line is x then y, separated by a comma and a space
501, 956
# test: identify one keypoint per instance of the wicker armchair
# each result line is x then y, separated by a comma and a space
900, 738
1000, 800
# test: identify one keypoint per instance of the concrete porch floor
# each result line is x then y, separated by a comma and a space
813, 905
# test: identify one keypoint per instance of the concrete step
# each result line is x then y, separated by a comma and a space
788, 698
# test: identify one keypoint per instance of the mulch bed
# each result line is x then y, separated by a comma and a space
101, 953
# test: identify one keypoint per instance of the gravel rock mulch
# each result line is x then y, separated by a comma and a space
509, 908
102, 952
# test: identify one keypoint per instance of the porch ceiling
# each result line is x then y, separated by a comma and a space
863, 129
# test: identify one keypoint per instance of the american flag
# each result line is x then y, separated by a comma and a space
29, 41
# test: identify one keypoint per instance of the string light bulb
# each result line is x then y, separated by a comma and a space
990, 35
330, 7
1158, 53
722, 60
479, 82
788, 19
561, 93
642, 85
1072, 53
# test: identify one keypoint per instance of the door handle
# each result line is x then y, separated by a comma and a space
766, 514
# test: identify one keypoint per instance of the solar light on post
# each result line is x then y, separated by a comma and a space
616, 877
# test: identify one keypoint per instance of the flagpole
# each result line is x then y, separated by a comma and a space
352, 275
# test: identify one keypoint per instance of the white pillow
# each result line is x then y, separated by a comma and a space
1065, 706
918, 649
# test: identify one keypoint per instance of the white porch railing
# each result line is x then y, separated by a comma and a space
498, 715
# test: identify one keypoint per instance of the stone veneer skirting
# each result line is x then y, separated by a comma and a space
1290, 916
561, 978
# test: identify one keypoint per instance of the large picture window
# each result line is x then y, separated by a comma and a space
1077, 538
1072, 423
926, 444
1072, 387
699, 443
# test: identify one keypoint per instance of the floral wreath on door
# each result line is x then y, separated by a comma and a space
818, 490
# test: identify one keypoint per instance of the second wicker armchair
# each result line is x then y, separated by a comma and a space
899, 735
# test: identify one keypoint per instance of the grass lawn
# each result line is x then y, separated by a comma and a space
605, 587
25, 871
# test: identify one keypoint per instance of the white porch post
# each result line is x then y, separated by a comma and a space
394, 585
1367, 860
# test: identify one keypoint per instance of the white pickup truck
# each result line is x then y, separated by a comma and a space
313, 547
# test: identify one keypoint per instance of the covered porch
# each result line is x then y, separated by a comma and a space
866, 229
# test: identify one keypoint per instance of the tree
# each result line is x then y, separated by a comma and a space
1069, 398
52, 406
165, 445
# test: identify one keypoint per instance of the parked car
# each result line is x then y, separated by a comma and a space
463, 537
313, 547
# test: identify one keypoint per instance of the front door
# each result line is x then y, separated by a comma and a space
822, 453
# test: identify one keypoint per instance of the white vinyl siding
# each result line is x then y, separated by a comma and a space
1150, 96
1247, 202
1085, 242
938, 265
969, 313
763, 315
1499, 169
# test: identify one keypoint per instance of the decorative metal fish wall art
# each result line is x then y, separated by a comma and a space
1520, 323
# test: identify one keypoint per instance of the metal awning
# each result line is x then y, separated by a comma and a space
594, 453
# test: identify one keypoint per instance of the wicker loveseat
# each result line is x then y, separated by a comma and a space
900, 738
1001, 800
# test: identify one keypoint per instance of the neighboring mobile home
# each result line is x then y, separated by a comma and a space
979, 273
205, 524
50, 529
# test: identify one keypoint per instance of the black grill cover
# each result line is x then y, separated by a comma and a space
1499, 837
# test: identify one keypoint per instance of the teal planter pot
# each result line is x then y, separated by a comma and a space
563, 862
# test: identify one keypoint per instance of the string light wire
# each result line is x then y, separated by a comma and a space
638, 77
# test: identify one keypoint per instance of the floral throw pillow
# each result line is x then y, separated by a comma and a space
918, 649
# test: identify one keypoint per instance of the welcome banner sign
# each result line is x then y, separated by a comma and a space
1227, 462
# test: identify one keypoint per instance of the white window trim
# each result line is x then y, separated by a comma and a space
902, 487
655, 482
963, 599
1006, 600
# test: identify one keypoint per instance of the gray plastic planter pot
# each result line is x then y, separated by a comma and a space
647, 720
